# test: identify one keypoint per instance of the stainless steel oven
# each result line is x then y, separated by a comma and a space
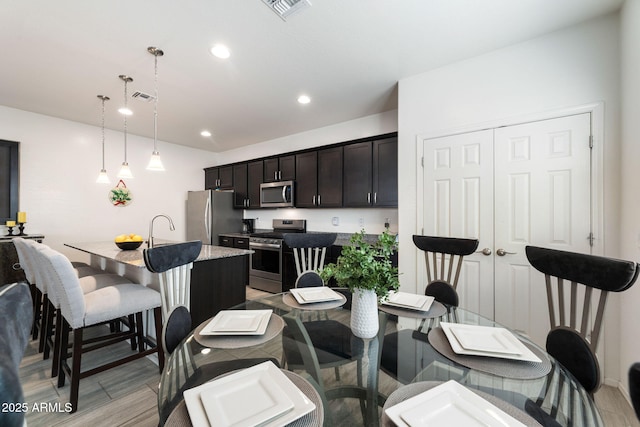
265, 270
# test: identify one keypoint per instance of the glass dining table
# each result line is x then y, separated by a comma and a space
353, 381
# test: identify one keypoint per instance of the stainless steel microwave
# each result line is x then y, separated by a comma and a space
276, 194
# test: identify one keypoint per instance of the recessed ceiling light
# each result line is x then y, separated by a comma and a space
125, 111
304, 99
205, 133
220, 51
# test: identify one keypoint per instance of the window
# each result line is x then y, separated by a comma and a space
8, 180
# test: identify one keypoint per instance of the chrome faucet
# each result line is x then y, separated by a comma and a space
171, 227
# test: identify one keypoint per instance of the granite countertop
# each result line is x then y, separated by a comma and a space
110, 251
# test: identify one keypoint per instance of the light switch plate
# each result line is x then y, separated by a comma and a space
335, 220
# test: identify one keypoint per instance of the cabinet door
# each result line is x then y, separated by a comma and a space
240, 187
254, 179
307, 179
357, 175
226, 177
211, 178
330, 178
287, 168
385, 172
271, 170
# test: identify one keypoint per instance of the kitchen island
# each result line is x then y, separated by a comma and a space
218, 279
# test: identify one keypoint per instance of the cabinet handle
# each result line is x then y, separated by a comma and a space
369, 198
375, 198
319, 203
313, 200
279, 174
275, 175
16, 266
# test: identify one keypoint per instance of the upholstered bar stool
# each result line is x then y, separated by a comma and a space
40, 300
51, 314
79, 311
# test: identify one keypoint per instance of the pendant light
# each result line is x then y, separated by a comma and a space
155, 164
103, 178
125, 172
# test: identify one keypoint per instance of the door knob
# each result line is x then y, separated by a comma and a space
502, 252
485, 252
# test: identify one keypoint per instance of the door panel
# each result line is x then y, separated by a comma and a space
459, 203
542, 197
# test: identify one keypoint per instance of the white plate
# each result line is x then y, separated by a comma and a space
524, 354
260, 395
449, 404
238, 322
314, 294
410, 301
485, 338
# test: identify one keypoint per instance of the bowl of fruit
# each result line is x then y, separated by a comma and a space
129, 242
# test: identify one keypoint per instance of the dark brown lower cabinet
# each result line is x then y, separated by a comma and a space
217, 284
10, 270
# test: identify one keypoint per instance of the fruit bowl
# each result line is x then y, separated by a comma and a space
128, 246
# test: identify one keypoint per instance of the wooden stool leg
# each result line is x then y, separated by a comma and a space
76, 356
57, 348
62, 360
157, 314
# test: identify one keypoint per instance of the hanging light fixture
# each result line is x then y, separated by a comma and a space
155, 164
103, 178
125, 172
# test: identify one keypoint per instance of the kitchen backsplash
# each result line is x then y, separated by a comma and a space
348, 220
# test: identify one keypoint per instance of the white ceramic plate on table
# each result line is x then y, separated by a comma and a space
238, 322
260, 395
515, 349
449, 404
314, 294
410, 301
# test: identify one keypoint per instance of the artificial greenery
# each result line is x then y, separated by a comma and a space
366, 266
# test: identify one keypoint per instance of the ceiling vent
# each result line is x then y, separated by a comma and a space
142, 96
285, 8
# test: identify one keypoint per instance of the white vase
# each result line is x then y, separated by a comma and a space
364, 313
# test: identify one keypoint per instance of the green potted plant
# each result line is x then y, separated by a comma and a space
366, 270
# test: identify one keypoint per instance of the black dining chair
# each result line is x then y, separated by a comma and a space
173, 263
16, 307
333, 339
634, 387
573, 337
443, 259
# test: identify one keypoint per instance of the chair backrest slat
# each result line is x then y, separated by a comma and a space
552, 311
595, 333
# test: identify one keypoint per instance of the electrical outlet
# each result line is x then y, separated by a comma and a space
335, 221
361, 222
386, 223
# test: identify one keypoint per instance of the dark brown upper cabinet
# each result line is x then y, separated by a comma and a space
371, 173
220, 178
241, 195
280, 169
254, 179
319, 178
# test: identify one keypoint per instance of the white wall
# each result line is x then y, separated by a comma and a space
573, 67
630, 201
320, 219
59, 163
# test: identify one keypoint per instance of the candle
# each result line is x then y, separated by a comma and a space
11, 223
22, 217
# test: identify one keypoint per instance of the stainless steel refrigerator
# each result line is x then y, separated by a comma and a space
210, 213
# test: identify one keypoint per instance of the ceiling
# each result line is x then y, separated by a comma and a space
347, 55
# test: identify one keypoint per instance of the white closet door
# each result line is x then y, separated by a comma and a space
542, 197
510, 187
458, 195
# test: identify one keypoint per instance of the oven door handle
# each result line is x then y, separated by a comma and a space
265, 245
